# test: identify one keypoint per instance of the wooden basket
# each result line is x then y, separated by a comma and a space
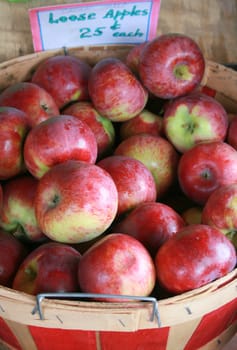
205, 318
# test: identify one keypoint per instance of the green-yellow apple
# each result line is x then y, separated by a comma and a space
194, 118
75, 202
18, 214
157, 154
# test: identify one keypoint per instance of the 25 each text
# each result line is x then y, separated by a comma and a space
87, 32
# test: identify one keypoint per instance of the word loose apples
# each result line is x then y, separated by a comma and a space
194, 118
171, 65
13, 130
117, 264
75, 202
56, 140
157, 154
205, 167
50, 268
115, 91
65, 77
196, 255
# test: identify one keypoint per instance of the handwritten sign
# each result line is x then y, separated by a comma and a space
94, 23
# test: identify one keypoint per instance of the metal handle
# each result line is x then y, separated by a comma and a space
42, 296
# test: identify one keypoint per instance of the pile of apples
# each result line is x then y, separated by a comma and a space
118, 178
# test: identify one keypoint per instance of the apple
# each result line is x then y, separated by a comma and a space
35, 101
194, 118
18, 215
231, 137
115, 91
196, 255
151, 223
134, 182
12, 253
50, 268
171, 65
205, 167
193, 215
75, 202
13, 130
157, 154
132, 59
65, 77
56, 140
117, 264
220, 211
145, 122
102, 127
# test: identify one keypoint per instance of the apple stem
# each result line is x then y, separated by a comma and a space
182, 72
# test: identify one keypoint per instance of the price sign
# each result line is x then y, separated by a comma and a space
94, 23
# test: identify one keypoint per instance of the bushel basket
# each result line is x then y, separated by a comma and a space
205, 318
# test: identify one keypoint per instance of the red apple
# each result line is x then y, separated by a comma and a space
56, 140
152, 224
231, 138
145, 122
65, 77
134, 182
171, 65
18, 213
196, 255
220, 211
115, 91
102, 127
13, 130
12, 253
117, 264
75, 202
205, 167
133, 57
35, 101
50, 268
194, 118
157, 154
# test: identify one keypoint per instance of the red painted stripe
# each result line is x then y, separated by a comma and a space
212, 325
147, 339
62, 339
7, 336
